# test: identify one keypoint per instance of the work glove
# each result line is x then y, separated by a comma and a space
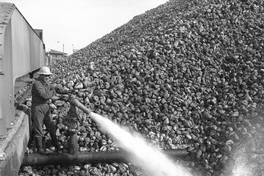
53, 86
62, 90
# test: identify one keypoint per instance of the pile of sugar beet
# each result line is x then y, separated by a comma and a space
187, 74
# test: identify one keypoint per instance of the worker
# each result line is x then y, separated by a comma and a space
42, 91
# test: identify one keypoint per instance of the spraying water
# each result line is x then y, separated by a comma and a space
241, 166
144, 155
248, 157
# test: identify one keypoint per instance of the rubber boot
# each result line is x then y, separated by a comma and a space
55, 142
39, 144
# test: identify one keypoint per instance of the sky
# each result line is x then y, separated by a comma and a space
74, 24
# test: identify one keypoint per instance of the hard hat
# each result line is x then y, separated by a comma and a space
44, 71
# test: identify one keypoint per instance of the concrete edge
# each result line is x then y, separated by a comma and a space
11, 132
14, 152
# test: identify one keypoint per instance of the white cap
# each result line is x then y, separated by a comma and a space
44, 71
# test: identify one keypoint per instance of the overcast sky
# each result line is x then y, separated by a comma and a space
77, 23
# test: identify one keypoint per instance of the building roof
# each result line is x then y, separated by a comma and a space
54, 52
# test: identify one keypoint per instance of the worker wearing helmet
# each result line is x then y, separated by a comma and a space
42, 91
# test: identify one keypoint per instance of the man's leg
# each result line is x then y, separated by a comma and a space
38, 117
51, 127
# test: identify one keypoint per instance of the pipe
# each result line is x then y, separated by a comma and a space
89, 157
72, 123
74, 101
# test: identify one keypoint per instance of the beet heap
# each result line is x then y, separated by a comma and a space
187, 74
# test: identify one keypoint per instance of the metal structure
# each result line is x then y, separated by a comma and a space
72, 124
21, 52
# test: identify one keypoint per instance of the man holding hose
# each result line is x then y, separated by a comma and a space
42, 91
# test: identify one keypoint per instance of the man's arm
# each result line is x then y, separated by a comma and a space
42, 92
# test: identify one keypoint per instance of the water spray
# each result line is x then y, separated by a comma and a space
141, 153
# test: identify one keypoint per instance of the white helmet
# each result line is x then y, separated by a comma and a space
44, 71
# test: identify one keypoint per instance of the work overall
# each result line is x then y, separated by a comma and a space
40, 112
